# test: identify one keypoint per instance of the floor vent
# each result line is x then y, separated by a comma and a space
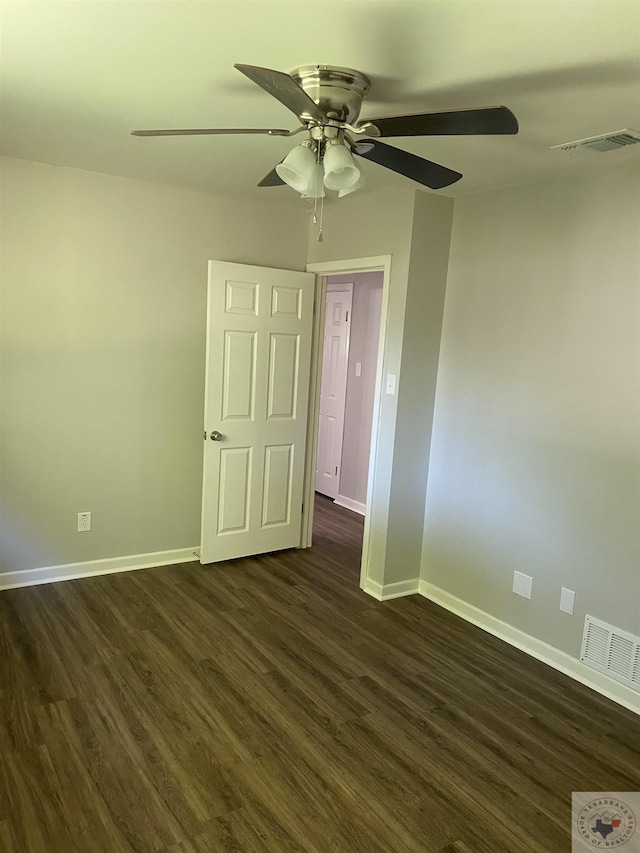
611, 651
605, 142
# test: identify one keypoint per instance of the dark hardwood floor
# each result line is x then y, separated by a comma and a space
270, 705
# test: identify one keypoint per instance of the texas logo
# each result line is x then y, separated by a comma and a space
606, 823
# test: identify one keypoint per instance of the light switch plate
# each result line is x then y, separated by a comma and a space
522, 584
391, 383
567, 600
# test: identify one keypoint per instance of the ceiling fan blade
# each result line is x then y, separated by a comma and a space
273, 179
205, 131
423, 171
285, 89
451, 123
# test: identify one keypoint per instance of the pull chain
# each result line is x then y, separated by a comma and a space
315, 192
319, 238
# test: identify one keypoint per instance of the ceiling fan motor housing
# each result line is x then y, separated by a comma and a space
338, 92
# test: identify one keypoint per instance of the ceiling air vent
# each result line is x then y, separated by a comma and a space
605, 142
609, 650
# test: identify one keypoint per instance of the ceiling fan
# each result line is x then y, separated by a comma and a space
327, 101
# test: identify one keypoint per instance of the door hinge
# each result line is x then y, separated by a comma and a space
346, 319
336, 470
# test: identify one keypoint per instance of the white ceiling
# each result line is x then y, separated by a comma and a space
78, 75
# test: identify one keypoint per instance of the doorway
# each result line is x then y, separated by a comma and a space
371, 501
349, 358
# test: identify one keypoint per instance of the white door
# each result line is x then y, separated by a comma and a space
256, 400
333, 388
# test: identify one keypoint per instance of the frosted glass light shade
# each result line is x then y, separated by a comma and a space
315, 187
340, 172
358, 185
297, 167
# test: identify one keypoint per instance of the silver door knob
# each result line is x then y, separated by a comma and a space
216, 436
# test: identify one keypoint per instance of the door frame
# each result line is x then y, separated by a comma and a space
378, 263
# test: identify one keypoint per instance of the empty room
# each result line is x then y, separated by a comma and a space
319, 426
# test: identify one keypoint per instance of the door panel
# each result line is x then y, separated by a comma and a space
239, 382
276, 501
256, 395
283, 376
235, 476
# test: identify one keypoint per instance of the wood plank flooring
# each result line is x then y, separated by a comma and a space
270, 705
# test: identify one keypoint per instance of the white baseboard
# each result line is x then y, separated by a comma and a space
538, 649
53, 574
349, 503
391, 590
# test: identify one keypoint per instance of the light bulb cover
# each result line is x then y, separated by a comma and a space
297, 167
340, 172
358, 185
315, 187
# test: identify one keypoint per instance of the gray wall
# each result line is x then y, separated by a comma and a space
414, 227
103, 332
360, 227
535, 458
430, 243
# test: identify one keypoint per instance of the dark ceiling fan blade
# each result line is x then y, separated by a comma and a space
205, 131
411, 166
273, 179
285, 89
451, 123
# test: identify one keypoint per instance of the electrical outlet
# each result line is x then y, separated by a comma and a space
84, 522
522, 584
567, 600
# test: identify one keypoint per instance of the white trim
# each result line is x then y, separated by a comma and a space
340, 287
538, 649
70, 571
350, 265
391, 590
349, 503
317, 340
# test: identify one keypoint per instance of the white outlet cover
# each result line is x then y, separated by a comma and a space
567, 600
522, 584
358, 368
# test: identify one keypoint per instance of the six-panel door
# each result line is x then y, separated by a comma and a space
257, 387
